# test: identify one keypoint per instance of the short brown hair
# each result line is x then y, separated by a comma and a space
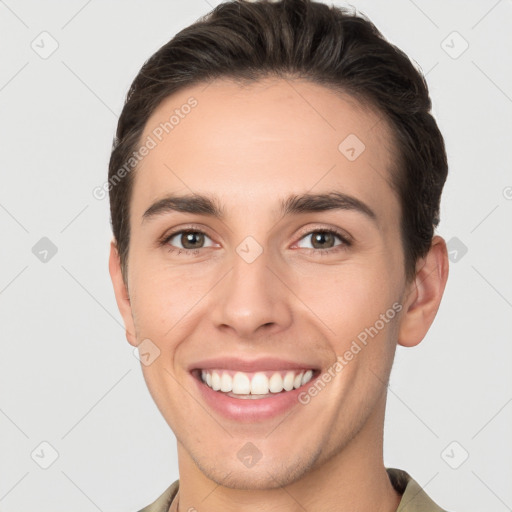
329, 46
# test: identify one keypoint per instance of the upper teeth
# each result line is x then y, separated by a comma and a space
259, 383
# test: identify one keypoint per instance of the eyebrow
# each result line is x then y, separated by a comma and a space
294, 204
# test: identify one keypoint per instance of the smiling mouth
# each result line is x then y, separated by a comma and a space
254, 385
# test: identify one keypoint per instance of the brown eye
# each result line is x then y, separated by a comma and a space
321, 240
192, 240
324, 239
189, 240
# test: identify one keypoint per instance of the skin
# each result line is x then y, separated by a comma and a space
251, 146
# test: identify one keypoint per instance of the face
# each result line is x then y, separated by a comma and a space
290, 267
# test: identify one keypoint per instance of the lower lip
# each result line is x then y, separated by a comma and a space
251, 410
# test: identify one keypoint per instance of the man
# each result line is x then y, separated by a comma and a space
275, 184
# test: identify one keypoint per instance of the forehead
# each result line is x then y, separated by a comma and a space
249, 143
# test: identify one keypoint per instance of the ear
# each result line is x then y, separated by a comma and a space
424, 295
121, 293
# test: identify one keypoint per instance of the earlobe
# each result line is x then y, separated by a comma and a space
121, 293
425, 294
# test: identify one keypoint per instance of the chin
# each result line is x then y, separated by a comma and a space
269, 474
251, 479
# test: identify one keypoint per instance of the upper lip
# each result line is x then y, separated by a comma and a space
250, 365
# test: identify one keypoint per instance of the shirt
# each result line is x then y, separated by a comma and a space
414, 498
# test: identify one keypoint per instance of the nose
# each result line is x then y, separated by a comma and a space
250, 301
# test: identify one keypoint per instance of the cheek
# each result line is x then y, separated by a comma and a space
348, 299
162, 298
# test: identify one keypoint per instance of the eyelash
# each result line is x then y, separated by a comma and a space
322, 252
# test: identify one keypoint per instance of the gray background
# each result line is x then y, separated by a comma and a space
67, 375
